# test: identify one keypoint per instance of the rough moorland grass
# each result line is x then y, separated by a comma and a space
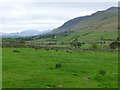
91, 37
36, 68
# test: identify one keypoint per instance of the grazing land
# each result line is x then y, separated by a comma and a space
28, 67
82, 53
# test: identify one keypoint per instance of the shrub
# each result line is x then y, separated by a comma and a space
75, 43
102, 72
17, 51
36, 48
58, 66
115, 45
100, 77
94, 46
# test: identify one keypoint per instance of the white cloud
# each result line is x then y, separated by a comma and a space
18, 15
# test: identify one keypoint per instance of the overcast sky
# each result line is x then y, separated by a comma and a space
19, 15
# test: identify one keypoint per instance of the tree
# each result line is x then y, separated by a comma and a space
114, 45
118, 38
75, 43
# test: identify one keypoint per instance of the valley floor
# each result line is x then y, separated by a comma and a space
32, 68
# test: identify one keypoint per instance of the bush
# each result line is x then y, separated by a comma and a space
94, 46
102, 72
75, 43
58, 66
115, 45
100, 77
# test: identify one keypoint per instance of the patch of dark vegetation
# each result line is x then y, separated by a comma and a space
85, 61
5, 69
116, 74
87, 33
69, 51
54, 86
105, 85
33, 61
48, 85
100, 77
114, 45
75, 75
102, 72
94, 46
69, 82
57, 66
16, 51
76, 43
51, 68
47, 49
56, 50
36, 48
84, 72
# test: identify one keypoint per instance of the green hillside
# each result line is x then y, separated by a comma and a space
82, 53
99, 21
102, 24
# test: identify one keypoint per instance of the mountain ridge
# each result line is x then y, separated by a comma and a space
98, 18
25, 33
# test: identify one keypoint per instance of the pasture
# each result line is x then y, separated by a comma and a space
32, 68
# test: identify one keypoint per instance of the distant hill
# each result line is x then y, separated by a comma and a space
102, 24
100, 21
91, 28
25, 33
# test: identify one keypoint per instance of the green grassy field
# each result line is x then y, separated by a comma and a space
90, 37
36, 69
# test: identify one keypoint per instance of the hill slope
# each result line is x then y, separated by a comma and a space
102, 24
101, 20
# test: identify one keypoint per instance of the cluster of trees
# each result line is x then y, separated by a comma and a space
115, 45
13, 43
77, 44
22, 42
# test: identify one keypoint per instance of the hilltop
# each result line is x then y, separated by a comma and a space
101, 24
